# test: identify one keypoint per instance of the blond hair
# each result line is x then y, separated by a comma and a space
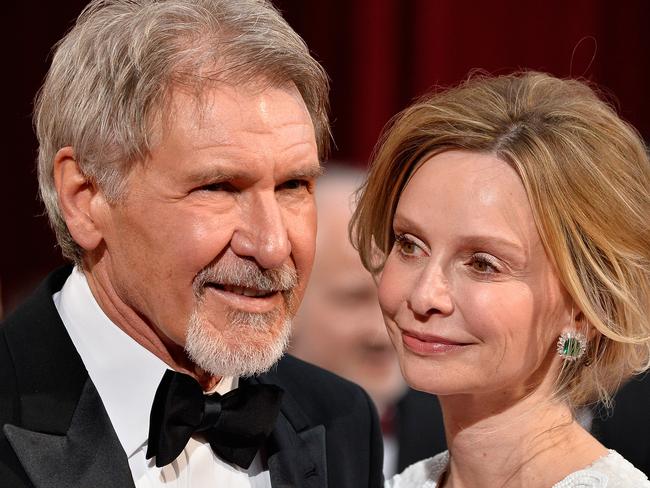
112, 74
587, 177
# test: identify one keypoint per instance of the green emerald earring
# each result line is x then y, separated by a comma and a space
571, 345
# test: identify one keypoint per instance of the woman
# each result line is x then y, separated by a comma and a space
508, 224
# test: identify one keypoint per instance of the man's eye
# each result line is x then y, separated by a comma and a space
294, 185
218, 186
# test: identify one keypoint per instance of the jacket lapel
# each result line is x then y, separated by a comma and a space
88, 455
296, 452
60, 433
299, 460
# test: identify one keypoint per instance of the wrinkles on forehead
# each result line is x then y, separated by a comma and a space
201, 93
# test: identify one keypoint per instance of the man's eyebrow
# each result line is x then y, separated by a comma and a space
215, 174
311, 172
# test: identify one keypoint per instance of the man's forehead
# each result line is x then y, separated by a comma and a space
209, 115
209, 95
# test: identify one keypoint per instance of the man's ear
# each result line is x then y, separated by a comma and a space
77, 199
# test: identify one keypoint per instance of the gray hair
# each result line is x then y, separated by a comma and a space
112, 74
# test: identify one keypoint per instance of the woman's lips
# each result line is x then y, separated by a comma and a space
427, 345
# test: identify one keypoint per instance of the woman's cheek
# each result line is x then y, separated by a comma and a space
392, 288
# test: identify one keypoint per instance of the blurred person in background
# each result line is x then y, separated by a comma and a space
339, 327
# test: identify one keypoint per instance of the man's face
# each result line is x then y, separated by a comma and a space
216, 231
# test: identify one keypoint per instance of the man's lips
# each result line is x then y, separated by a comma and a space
242, 290
246, 299
426, 344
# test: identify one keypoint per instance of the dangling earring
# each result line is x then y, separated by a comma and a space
571, 345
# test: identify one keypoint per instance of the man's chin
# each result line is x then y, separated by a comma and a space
252, 348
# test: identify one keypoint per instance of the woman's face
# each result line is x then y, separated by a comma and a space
471, 301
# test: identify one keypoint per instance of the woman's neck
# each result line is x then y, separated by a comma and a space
528, 442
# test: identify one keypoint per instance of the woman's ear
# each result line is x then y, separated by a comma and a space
578, 317
76, 194
583, 325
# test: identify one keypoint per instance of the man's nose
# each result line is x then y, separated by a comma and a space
262, 233
431, 294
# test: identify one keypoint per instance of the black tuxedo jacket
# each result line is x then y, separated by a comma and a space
627, 428
419, 429
55, 433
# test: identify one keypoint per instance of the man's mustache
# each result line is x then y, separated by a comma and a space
246, 273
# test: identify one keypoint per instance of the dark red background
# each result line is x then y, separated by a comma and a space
380, 55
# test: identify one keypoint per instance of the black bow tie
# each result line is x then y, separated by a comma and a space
235, 424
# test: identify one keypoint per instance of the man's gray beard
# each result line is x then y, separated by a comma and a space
207, 349
205, 345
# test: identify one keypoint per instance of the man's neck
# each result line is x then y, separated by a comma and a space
145, 334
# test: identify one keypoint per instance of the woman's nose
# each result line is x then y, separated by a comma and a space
431, 294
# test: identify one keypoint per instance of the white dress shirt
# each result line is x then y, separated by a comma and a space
126, 376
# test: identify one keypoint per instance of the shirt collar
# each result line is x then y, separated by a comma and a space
125, 374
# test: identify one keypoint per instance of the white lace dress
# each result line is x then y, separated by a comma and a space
610, 471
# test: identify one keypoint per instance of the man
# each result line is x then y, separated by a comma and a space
340, 328
180, 142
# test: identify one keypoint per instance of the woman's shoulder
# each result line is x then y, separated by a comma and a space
610, 471
423, 474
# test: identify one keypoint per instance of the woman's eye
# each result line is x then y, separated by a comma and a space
484, 264
406, 246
